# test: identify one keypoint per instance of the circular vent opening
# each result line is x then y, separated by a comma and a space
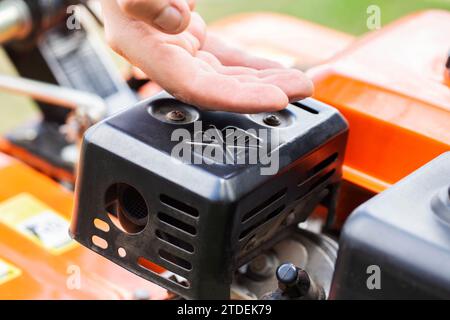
127, 208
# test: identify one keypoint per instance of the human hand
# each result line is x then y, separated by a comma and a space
169, 43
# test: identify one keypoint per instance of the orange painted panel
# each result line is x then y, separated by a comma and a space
391, 87
74, 273
291, 41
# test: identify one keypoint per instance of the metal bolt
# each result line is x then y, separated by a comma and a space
176, 115
272, 120
293, 281
287, 274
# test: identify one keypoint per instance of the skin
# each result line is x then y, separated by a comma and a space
175, 50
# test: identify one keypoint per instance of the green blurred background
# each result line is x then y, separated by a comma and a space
345, 15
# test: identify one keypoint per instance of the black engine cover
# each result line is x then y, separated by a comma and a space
397, 245
208, 210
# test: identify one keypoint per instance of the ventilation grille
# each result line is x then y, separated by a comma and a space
178, 205
324, 164
264, 205
317, 176
276, 204
264, 212
176, 223
176, 229
269, 217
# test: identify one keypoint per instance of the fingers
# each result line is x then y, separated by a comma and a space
169, 16
198, 77
197, 27
295, 86
227, 94
230, 56
196, 82
293, 83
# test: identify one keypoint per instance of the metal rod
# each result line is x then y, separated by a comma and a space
52, 94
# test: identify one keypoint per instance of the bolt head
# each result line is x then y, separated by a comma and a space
176, 115
287, 274
272, 120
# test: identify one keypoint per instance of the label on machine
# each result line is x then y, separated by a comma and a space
37, 222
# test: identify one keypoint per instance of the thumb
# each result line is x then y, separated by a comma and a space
169, 16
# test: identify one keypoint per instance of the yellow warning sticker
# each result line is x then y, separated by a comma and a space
36, 221
8, 272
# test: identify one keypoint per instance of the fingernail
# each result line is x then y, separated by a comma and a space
169, 19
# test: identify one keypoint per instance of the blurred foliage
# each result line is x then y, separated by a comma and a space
345, 15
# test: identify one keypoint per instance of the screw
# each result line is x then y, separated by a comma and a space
287, 274
272, 120
176, 115
293, 281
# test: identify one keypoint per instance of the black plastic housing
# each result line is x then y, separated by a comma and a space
405, 233
204, 220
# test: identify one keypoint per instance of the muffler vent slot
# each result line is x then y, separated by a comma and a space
315, 184
272, 215
180, 225
158, 270
175, 241
181, 206
264, 205
175, 260
324, 164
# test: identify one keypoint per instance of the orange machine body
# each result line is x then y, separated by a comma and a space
35, 162
29, 270
391, 87
288, 40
